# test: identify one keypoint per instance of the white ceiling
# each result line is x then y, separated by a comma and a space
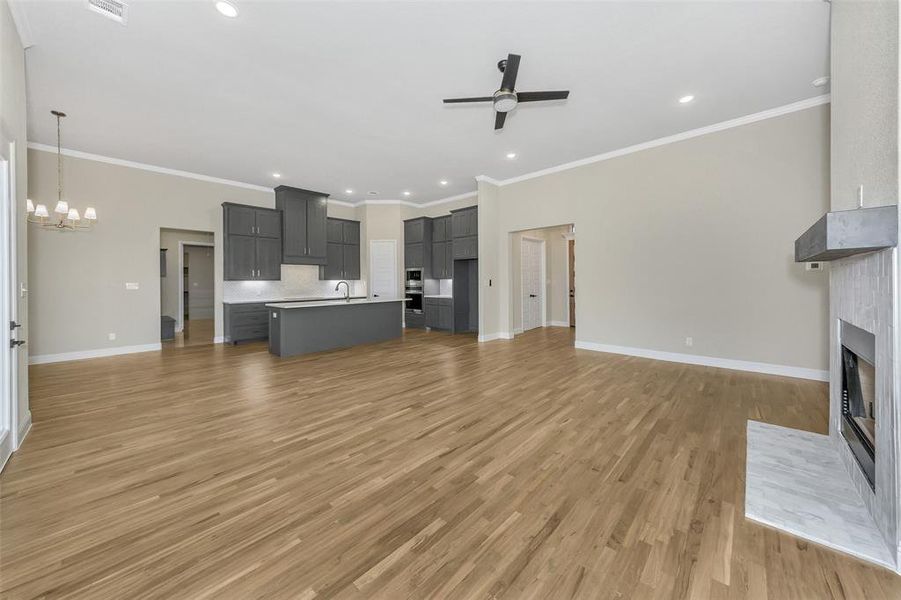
338, 95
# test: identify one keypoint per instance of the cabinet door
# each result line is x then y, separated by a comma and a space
334, 231
240, 257
413, 231
466, 247
351, 232
448, 260
438, 260
269, 223
446, 315
413, 256
431, 313
351, 261
334, 262
294, 228
458, 224
316, 227
269, 258
472, 222
240, 220
439, 230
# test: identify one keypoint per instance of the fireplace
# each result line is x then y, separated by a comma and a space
858, 351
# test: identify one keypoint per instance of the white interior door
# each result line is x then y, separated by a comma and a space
8, 348
532, 279
383, 268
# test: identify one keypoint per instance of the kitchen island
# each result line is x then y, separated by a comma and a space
304, 327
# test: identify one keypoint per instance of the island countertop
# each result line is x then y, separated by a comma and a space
339, 302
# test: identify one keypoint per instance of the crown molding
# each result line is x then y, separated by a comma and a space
23, 26
473, 194
342, 203
671, 139
145, 167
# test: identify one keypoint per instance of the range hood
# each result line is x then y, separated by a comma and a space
845, 233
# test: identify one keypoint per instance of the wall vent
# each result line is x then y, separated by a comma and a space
112, 9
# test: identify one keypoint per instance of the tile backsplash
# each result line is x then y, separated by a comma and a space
298, 281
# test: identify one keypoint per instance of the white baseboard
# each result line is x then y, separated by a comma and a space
24, 428
517, 331
218, 339
503, 335
99, 353
558, 324
709, 361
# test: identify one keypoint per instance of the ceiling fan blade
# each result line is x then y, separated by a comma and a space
462, 100
499, 120
510, 71
538, 96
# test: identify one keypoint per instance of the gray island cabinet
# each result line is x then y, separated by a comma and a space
304, 327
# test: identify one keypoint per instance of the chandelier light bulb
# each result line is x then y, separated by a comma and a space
73, 214
62, 207
29, 205
90, 214
41, 211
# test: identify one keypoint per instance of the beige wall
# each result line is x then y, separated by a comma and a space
169, 239
12, 123
693, 238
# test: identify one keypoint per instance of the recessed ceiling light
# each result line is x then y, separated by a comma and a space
820, 81
443, 182
511, 155
372, 193
227, 9
277, 175
686, 99
348, 191
406, 193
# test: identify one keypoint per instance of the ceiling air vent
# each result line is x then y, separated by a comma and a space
112, 9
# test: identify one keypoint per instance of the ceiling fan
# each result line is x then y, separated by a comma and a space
506, 98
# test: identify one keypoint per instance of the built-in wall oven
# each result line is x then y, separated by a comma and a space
413, 290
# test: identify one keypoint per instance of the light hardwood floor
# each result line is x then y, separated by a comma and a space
428, 467
196, 332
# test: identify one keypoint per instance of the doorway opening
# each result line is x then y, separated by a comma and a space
543, 278
187, 287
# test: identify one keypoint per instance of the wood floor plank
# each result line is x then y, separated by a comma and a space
427, 467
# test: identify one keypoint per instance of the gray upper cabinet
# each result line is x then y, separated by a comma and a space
418, 245
351, 231
439, 229
252, 243
439, 260
414, 231
304, 225
342, 250
465, 233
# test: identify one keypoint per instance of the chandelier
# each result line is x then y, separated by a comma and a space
64, 218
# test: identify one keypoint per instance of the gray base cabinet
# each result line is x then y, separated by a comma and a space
252, 247
245, 322
342, 256
439, 313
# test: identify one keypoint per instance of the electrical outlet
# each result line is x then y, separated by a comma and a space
689, 341
129, 285
814, 266
112, 336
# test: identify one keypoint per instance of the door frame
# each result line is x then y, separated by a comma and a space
568, 237
180, 321
542, 274
9, 358
369, 285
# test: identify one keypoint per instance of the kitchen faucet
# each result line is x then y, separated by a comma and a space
346, 289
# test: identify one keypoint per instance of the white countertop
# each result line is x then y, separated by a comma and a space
294, 299
438, 296
340, 302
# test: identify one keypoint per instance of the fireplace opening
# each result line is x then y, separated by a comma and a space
858, 349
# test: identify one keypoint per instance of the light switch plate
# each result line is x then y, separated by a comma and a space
131, 285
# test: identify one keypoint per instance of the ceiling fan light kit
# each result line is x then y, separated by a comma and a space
505, 99
69, 219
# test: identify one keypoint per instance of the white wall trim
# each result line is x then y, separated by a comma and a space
145, 167
671, 139
559, 323
449, 199
99, 353
6, 447
23, 26
502, 335
709, 361
219, 339
24, 428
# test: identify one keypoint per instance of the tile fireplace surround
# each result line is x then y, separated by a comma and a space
811, 485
